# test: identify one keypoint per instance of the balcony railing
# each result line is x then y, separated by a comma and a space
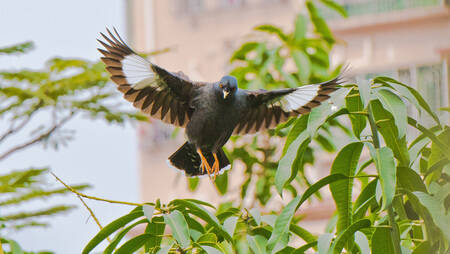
368, 7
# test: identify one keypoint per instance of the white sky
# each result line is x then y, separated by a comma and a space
101, 155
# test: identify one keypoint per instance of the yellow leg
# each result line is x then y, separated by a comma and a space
205, 165
215, 167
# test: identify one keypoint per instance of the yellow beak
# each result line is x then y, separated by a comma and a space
225, 94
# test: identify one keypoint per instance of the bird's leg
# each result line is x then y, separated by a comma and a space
215, 166
205, 165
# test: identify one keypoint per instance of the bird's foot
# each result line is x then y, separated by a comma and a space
204, 165
215, 166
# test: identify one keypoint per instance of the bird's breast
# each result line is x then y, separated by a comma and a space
212, 122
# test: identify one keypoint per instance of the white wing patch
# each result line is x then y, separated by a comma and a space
299, 97
138, 71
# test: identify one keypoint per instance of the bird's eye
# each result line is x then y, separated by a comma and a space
221, 85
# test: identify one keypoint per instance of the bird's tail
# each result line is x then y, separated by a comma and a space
188, 160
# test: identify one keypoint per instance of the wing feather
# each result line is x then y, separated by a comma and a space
153, 90
277, 106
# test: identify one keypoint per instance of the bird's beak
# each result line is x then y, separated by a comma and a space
225, 94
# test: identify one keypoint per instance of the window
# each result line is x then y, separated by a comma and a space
428, 80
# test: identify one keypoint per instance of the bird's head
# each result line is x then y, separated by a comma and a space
228, 86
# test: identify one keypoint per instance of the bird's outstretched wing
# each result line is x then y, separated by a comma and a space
153, 90
266, 109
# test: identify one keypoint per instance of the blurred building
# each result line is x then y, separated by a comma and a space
405, 39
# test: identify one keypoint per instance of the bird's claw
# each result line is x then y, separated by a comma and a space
204, 165
215, 166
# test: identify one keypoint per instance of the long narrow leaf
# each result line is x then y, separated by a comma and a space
345, 163
396, 107
111, 228
385, 165
179, 227
346, 235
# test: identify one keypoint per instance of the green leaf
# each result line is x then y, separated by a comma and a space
411, 94
362, 242
286, 172
256, 214
319, 184
226, 247
422, 248
208, 238
320, 25
386, 126
335, 6
165, 249
155, 228
363, 201
14, 247
133, 244
299, 126
241, 53
445, 149
119, 236
193, 183
382, 241
345, 163
282, 223
301, 27
347, 235
196, 201
435, 205
111, 228
257, 244
438, 149
271, 29
324, 243
18, 48
305, 247
179, 227
203, 214
230, 225
385, 165
148, 211
280, 226
302, 233
354, 104
410, 180
396, 107
317, 117
221, 183
301, 59
210, 250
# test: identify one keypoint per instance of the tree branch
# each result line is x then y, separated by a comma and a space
37, 139
95, 198
22, 124
92, 215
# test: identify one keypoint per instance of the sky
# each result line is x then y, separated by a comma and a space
69, 29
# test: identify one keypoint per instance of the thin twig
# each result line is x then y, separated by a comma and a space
37, 139
92, 215
95, 198
13, 129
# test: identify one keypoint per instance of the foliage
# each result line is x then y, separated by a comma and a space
402, 198
402, 206
62, 90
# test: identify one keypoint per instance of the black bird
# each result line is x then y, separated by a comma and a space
211, 112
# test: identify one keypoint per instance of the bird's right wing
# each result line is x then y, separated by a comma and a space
155, 91
266, 109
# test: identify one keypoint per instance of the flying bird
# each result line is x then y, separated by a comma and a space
210, 112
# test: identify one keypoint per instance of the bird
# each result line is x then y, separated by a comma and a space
210, 112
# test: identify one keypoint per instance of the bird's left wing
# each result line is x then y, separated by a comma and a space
266, 109
155, 91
